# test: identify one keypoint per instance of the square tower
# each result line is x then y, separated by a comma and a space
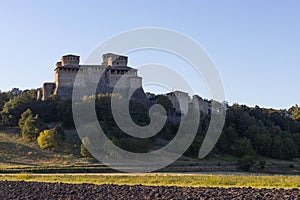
70, 60
112, 60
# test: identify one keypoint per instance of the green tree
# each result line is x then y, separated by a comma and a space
13, 109
290, 149
262, 144
51, 139
60, 131
4, 97
48, 110
31, 128
277, 147
134, 144
194, 148
296, 139
64, 113
254, 130
294, 112
165, 102
24, 117
241, 147
227, 139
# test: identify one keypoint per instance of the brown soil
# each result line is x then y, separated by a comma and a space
35, 190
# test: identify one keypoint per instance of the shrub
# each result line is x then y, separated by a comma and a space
134, 145
262, 164
84, 152
246, 162
50, 139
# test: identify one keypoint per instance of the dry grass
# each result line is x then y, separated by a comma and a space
166, 179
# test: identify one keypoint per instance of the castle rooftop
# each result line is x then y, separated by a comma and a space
121, 68
70, 55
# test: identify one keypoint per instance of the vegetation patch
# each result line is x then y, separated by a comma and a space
187, 180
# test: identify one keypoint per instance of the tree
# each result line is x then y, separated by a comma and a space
4, 97
13, 109
65, 113
134, 144
31, 128
277, 147
48, 110
51, 139
290, 149
227, 138
296, 139
15, 91
60, 131
262, 144
241, 147
294, 112
254, 130
24, 116
165, 102
194, 148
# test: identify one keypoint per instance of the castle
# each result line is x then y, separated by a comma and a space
115, 73
113, 67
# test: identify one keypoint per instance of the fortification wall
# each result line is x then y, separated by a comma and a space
64, 92
47, 90
66, 77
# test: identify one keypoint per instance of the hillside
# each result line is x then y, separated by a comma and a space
255, 139
19, 156
16, 153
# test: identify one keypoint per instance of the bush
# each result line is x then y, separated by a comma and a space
134, 145
50, 139
246, 162
262, 164
84, 152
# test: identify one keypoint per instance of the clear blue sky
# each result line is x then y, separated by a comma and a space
255, 44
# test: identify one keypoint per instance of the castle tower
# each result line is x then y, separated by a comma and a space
180, 101
70, 60
47, 90
65, 74
113, 60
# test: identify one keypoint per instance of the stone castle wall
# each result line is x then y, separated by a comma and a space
47, 91
114, 73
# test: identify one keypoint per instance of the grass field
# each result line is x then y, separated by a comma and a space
17, 156
188, 180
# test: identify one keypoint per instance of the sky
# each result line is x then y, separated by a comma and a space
255, 45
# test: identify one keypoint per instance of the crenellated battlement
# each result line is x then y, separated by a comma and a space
70, 60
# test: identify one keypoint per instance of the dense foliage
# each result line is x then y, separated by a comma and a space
247, 132
272, 133
31, 126
51, 139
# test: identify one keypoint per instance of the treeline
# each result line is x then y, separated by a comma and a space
267, 132
51, 110
247, 132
